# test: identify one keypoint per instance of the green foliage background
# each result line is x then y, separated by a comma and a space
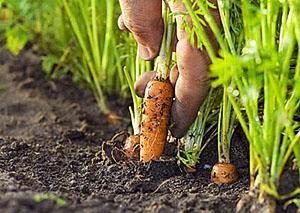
45, 24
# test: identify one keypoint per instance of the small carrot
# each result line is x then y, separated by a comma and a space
132, 147
224, 173
156, 112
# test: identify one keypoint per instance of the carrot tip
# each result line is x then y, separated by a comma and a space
132, 147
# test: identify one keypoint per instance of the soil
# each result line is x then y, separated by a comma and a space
51, 143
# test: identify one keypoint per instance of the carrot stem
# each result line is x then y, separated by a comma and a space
165, 54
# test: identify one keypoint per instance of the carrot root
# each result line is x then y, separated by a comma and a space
155, 117
224, 173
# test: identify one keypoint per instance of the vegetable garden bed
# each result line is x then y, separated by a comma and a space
68, 76
50, 155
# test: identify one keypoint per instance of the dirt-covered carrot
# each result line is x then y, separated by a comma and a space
224, 173
154, 126
156, 111
158, 99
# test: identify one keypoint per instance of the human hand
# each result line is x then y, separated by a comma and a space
143, 18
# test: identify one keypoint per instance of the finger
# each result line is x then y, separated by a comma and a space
141, 84
146, 53
121, 24
143, 18
191, 86
193, 83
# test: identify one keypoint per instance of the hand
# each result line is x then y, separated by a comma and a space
143, 18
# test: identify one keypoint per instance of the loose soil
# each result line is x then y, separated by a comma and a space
51, 140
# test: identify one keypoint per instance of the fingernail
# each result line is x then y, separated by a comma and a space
174, 74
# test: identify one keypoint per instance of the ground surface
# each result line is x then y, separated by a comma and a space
51, 134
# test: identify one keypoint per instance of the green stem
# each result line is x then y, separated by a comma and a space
86, 54
165, 54
201, 32
213, 25
226, 26
95, 38
108, 34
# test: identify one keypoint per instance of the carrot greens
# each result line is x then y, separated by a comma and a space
99, 59
261, 81
133, 70
201, 133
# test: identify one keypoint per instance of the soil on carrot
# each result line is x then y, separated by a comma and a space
51, 147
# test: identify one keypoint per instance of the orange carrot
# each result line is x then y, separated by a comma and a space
224, 173
156, 112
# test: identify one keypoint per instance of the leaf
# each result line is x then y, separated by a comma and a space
211, 5
16, 39
48, 62
292, 201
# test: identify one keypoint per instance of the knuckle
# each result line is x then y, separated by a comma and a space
137, 28
145, 30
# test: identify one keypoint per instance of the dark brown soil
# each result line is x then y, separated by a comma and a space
51, 137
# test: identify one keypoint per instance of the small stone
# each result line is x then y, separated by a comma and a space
73, 183
193, 190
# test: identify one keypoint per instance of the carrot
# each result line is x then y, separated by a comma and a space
155, 116
158, 98
224, 173
132, 147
